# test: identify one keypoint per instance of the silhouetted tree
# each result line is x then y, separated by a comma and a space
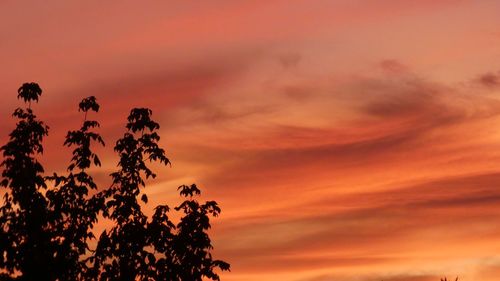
26, 244
74, 211
122, 252
191, 245
183, 250
45, 231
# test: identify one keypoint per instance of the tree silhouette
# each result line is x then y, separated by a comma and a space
74, 212
45, 230
122, 252
26, 243
185, 248
192, 245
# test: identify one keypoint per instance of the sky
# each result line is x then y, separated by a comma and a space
344, 140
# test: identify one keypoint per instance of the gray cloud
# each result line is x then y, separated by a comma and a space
491, 80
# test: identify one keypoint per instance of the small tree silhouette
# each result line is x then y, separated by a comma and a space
45, 231
192, 244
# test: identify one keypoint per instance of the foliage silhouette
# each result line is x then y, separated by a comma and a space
26, 244
74, 212
45, 230
122, 252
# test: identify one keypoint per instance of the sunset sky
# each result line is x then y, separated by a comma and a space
349, 140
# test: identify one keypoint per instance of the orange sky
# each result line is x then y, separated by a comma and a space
345, 140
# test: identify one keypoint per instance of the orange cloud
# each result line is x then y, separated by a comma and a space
343, 140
